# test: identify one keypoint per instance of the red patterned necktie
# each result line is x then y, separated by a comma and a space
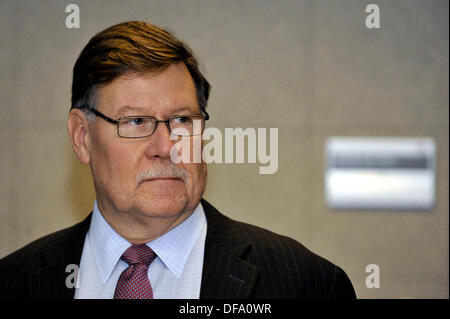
133, 283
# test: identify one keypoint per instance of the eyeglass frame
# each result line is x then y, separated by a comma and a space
117, 122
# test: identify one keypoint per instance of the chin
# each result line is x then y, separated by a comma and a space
163, 199
163, 207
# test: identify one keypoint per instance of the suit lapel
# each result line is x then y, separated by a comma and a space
225, 272
49, 278
225, 275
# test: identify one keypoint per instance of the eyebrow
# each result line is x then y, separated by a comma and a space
141, 111
127, 108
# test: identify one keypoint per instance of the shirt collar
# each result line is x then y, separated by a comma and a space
173, 248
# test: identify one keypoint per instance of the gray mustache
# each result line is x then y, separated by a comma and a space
164, 171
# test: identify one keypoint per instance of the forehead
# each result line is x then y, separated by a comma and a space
150, 93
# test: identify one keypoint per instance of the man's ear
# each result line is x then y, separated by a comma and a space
78, 128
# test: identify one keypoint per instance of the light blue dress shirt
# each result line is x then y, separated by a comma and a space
175, 273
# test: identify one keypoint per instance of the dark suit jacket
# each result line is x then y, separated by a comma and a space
241, 261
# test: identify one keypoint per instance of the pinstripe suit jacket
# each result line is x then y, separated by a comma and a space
241, 261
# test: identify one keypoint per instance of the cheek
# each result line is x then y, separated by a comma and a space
197, 178
113, 165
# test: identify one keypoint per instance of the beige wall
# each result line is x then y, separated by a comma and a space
310, 68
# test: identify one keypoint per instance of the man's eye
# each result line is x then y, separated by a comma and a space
181, 119
135, 121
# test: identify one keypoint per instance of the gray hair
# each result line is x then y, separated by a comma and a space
89, 100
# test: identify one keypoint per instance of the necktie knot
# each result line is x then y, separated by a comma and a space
138, 254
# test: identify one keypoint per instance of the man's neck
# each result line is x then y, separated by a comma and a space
138, 228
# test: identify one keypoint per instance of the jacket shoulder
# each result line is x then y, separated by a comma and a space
265, 244
287, 268
15, 267
294, 267
282, 249
56, 240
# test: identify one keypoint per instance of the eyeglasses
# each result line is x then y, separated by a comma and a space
143, 126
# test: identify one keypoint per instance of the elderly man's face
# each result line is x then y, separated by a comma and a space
119, 164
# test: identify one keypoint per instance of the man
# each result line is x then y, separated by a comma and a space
136, 92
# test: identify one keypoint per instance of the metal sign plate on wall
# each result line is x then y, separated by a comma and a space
380, 173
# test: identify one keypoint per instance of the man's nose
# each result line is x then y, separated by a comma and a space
160, 143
